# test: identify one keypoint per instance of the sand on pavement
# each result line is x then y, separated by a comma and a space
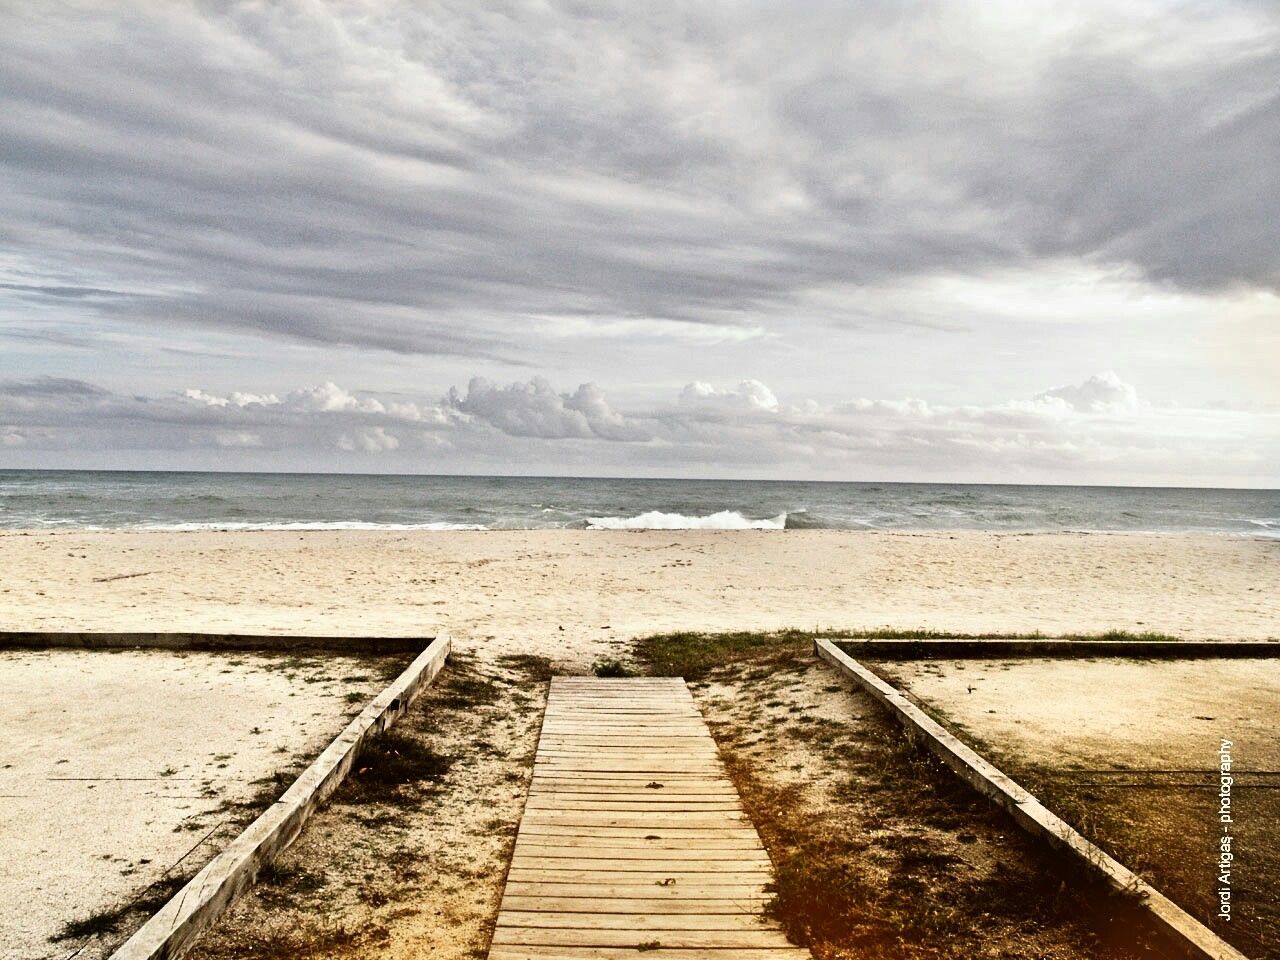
119, 767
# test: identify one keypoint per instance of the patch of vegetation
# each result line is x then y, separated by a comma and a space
460, 687
613, 668
391, 761
293, 940
1145, 635
692, 654
533, 667
95, 924
108, 921
281, 886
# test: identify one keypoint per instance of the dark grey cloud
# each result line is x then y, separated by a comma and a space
439, 179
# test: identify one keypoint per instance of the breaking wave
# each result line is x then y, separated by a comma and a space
656, 520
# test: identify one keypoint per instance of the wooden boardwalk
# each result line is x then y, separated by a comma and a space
634, 842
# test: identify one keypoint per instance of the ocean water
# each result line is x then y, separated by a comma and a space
260, 501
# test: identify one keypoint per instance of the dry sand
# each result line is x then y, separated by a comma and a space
574, 594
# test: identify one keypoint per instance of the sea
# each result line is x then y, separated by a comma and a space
71, 499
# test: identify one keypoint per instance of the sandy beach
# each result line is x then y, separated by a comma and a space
516, 600
575, 595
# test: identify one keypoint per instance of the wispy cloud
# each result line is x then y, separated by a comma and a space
431, 180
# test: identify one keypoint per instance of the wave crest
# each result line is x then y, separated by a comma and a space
657, 520
307, 525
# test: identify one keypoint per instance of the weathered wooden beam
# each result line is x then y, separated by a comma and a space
292, 643
977, 648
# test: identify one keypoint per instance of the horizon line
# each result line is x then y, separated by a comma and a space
662, 479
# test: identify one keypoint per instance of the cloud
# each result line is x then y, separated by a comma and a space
238, 438
238, 399
1097, 429
749, 396
536, 409
370, 440
440, 180
1101, 393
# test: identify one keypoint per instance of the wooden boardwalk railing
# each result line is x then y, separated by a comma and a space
634, 842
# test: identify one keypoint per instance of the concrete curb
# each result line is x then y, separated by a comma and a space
174, 928
1154, 649
43, 640
1195, 939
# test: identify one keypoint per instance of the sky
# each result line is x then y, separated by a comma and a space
949, 241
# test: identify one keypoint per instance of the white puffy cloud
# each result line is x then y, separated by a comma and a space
749, 396
370, 440
236, 398
536, 409
1101, 393
1095, 430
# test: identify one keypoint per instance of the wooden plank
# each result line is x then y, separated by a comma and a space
741, 877
632, 921
697, 837
634, 793
593, 937
619, 764
672, 866
587, 782
635, 891
749, 907
633, 839
660, 819
535, 952
649, 851
608, 803
683, 842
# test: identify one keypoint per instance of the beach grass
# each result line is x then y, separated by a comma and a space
693, 654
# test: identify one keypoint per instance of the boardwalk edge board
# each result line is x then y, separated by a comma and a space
174, 928
1178, 926
977, 649
144, 640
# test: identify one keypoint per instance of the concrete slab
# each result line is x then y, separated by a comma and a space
117, 766
1130, 749
1140, 713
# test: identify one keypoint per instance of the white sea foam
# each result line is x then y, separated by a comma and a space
656, 520
310, 525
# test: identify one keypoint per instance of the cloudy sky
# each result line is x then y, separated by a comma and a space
887, 240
